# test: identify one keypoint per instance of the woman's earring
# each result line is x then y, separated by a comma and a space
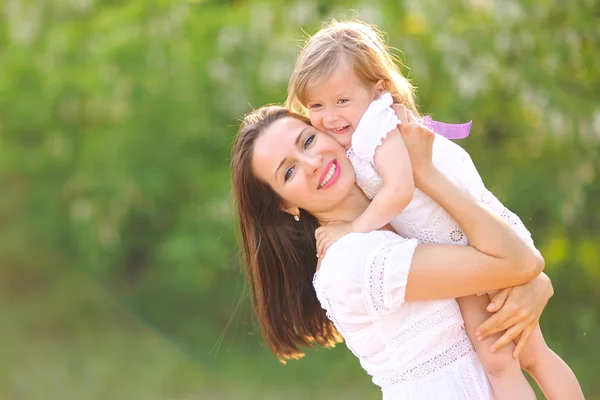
297, 218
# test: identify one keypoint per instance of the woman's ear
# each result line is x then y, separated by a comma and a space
293, 211
380, 87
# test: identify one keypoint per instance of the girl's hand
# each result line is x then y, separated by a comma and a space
418, 140
329, 234
519, 311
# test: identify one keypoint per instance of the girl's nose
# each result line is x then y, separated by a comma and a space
329, 117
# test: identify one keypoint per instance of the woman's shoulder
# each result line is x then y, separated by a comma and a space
358, 243
350, 253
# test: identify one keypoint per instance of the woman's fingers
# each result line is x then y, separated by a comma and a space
513, 320
498, 300
503, 323
493, 323
400, 113
523, 340
513, 332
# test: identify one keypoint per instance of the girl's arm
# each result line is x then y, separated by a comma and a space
393, 165
496, 256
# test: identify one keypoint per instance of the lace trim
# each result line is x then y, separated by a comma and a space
428, 320
471, 384
444, 230
389, 260
488, 199
434, 362
375, 281
366, 176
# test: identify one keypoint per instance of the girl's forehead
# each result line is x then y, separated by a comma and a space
342, 79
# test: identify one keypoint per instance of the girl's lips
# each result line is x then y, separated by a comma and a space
340, 131
333, 178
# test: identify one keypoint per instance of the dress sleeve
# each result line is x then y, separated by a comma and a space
373, 128
385, 274
363, 277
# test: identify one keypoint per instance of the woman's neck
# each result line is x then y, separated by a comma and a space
353, 205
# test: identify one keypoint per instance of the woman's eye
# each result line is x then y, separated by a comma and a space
309, 140
288, 174
343, 101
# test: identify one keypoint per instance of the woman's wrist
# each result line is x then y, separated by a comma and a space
424, 175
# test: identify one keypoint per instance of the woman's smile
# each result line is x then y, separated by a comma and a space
330, 174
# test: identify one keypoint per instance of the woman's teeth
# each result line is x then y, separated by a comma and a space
329, 175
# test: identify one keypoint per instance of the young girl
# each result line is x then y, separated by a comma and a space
346, 79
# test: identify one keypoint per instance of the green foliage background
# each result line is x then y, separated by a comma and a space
119, 269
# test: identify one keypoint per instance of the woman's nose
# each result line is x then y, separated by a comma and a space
311, 162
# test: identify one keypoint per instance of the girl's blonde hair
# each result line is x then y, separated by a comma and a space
359, 44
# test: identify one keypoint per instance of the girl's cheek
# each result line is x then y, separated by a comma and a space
314, 121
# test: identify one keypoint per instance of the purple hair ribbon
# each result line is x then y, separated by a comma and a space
449, 131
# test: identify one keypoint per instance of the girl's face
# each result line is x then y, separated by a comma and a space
337, 105
307, 168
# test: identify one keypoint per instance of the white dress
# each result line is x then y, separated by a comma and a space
413, 350
423, 218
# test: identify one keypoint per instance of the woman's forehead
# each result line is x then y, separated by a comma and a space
277, 142
283, 131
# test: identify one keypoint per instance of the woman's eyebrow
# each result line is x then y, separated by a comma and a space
295, 144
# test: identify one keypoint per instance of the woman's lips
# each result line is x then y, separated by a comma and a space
329, 175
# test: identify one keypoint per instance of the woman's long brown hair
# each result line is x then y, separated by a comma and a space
280, 253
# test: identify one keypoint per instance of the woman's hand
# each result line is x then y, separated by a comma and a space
418, 140
518, 312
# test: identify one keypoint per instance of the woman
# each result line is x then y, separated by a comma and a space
388, 297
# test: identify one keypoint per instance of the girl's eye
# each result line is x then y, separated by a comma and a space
343, 101
309, 140
314, 106
288, 174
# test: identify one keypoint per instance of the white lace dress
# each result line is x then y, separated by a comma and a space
413, 350
423, 218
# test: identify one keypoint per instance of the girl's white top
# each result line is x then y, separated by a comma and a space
423, 218
413, 350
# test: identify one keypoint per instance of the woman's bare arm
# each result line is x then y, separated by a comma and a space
496, 256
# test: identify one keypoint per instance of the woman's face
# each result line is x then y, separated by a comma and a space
307, 168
